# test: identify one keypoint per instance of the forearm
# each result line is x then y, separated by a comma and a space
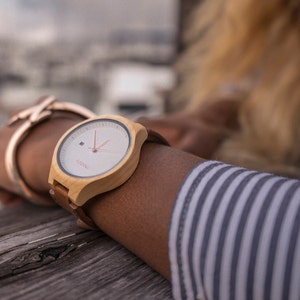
35, 152
44, 138
138, 213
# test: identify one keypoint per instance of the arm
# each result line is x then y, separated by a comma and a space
233, 232
199, 130
136, 214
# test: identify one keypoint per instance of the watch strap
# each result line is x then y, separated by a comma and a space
60, 196
155, 137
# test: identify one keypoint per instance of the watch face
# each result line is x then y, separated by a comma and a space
93, 148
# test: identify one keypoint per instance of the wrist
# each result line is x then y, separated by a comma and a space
34, 161
30, 122
137, 214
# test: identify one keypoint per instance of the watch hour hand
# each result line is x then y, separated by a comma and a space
94, 149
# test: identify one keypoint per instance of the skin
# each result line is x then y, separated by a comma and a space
199, 130
137, 214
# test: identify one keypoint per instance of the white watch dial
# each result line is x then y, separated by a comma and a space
93, 148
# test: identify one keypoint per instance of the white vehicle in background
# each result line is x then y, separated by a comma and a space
135, 89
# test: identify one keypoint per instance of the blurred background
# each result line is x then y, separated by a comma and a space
113, 56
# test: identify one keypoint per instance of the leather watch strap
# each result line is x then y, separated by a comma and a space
60, 196
155, 137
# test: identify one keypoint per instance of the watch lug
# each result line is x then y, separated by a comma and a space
60, 195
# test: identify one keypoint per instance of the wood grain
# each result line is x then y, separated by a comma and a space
43, 255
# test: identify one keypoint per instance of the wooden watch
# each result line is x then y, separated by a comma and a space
93, 157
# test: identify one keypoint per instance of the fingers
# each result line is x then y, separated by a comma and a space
202, 141
168, 126
8, 199
222, 112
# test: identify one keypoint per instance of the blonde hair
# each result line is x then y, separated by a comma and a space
233, 42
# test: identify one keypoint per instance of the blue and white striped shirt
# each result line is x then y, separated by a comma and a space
235, 234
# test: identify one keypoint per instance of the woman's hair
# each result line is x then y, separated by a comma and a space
250, 49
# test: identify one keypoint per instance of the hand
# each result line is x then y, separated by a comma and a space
8, 199
34, 154
199, 131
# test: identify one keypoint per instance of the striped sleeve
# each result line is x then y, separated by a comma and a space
234, 235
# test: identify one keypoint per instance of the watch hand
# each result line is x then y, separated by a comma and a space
95, 140
108, 151
102, 145
94, 149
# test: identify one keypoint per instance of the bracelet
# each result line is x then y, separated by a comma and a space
34, 116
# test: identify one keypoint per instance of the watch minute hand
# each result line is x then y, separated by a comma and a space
102, 145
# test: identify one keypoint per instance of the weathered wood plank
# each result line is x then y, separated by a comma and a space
43, 255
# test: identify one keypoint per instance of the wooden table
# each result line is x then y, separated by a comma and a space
43, 255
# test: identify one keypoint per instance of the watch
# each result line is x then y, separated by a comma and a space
93, 157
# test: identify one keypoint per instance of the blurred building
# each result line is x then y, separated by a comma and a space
68, 47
